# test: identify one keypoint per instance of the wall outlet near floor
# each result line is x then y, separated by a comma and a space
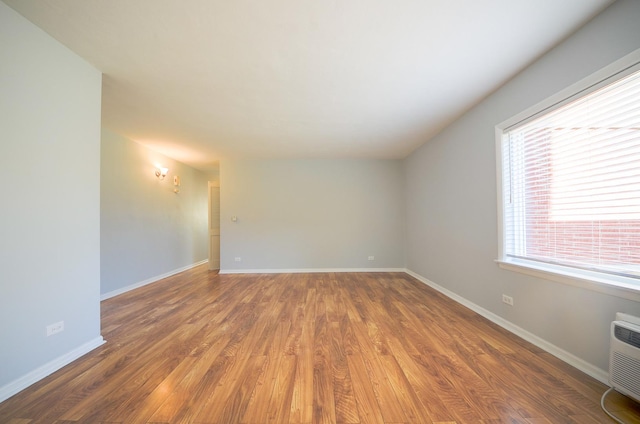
507, 299
52, 329
371, 258
238, 259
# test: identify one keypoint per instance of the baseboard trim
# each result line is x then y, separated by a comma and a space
582, 365
139, 284
307, 270
38, 374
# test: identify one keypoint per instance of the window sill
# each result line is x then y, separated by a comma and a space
626, 288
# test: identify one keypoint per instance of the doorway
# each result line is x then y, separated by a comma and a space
214, 225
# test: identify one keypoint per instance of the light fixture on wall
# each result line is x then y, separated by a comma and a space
161, 172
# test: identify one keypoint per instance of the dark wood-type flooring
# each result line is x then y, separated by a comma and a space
200, 347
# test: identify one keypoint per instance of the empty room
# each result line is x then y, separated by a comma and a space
320, 212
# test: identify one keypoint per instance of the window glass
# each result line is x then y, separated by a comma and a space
571, 183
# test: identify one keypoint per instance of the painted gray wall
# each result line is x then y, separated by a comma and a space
452, 200
309, 214
146, 229
50, 216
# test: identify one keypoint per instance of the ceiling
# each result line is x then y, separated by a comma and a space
204, 80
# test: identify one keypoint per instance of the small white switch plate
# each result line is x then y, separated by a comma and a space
507, 299
238, 259
371, 258
52, 329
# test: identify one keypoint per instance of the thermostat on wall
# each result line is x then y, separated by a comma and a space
176, 180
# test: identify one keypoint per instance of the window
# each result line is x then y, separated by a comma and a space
571, 182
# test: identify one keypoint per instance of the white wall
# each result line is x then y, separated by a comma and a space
311, 214
452, 204
50, 216
147, 230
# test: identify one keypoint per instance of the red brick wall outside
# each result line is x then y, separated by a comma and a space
596, 242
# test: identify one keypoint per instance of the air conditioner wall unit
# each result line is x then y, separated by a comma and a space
624, 357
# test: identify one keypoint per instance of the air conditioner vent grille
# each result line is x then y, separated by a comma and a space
625, 372
628, 336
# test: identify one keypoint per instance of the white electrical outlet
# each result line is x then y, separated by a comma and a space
52, 329
371, 258
507, 299
238, 259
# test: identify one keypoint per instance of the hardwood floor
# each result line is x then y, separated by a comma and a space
307, 348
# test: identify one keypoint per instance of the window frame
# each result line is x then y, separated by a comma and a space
628, 288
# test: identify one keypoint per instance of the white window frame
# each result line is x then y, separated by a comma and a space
628, 288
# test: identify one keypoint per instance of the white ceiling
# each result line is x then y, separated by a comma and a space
203, 80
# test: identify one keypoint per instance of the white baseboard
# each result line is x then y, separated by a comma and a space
307, 270
582, 365
38, 374
139, 284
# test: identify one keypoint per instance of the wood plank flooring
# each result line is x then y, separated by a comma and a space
200, 347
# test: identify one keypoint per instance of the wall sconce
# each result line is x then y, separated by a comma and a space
161, 172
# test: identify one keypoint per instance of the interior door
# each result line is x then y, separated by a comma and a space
214, 225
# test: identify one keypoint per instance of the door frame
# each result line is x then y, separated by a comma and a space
214, 262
